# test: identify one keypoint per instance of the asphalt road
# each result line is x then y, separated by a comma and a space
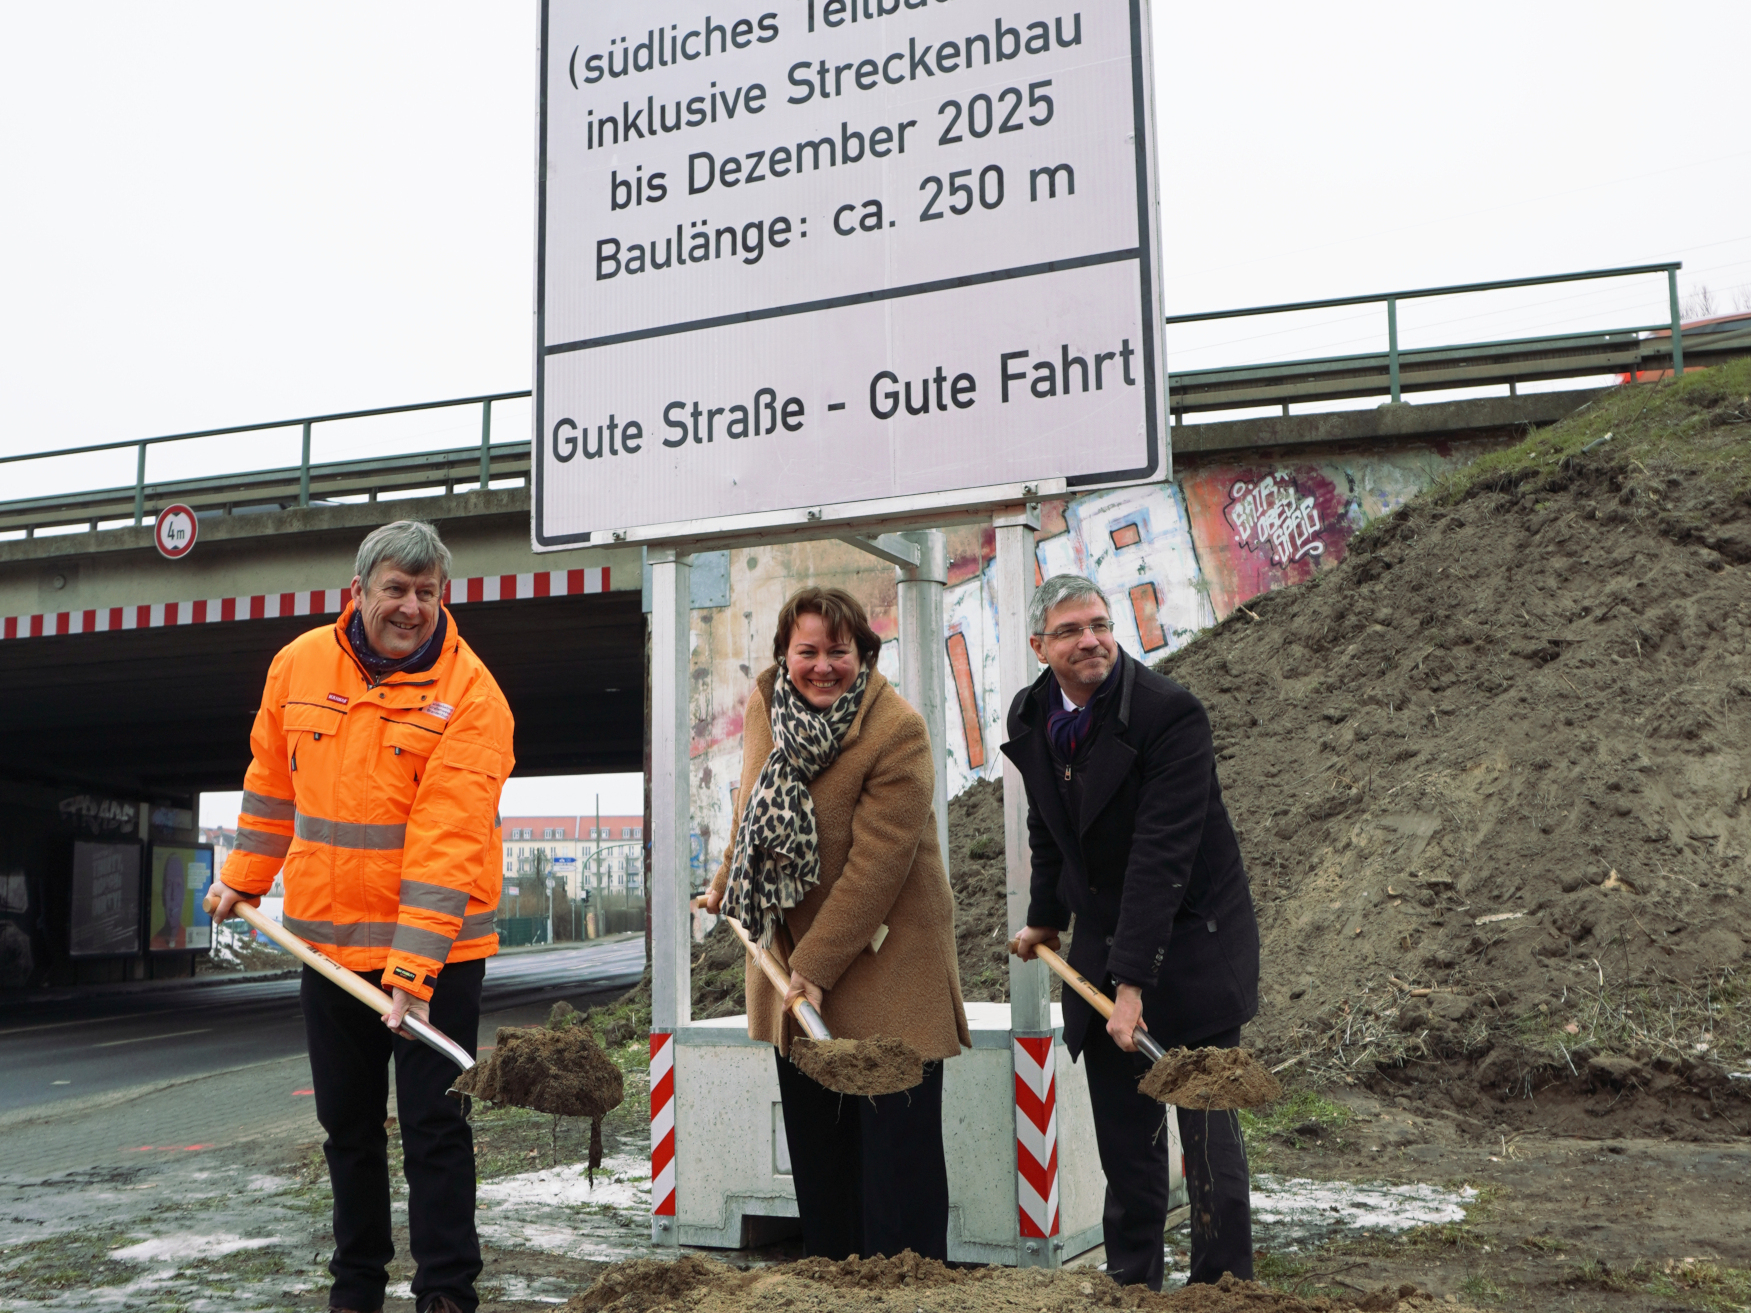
100, 1040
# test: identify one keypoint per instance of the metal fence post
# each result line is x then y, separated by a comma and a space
1392, 344
1677, 325
140, 488
304, 469
485, 443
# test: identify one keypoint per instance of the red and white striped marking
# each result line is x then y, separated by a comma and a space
662, 1124
1036, 1137
274, 606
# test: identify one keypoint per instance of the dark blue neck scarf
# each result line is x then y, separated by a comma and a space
1069, 728
381, 667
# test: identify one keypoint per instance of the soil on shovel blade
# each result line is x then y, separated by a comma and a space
909, 1284
558, 1069
1211, 1080
877, 1065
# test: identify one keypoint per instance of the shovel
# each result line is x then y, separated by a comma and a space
878, 1065
1144, 1041
808, 1017
375, 999
1200, 1079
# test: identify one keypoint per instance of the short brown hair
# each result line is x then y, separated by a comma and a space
842, 613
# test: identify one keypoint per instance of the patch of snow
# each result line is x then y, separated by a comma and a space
621, 1182
180, 1248
1301, 1211
520, 1290
263, 1183
531, 1235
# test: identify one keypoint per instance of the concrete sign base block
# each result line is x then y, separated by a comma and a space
733, 1186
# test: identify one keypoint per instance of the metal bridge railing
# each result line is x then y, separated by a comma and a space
1626, 351
393, 473
1394, 371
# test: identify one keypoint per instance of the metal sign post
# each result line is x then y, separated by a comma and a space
670, 875
923, 659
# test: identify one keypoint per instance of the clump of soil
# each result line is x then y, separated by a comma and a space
909, 1284
1210, 1079
1501, 755
558, 1069
877, 1065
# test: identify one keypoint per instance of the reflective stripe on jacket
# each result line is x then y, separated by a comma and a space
381, 803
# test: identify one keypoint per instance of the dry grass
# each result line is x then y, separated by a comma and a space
1706, 1022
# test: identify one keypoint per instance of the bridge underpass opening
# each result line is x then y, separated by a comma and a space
114, 735
148, 712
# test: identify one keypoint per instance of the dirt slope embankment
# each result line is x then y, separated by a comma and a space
1491, 775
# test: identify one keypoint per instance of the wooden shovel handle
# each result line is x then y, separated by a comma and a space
1074, 978
332, 971
802, 1009
375, 999
1144, 1041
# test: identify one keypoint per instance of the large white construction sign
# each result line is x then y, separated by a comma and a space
840, 257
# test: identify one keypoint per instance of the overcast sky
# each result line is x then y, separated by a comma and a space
219, 213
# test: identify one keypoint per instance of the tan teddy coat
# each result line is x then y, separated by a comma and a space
879, 866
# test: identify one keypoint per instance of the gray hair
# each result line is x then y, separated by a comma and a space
410, 545
1056, 591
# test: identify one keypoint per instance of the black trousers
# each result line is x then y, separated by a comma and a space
350, 1050
869, 1173
1131, 1131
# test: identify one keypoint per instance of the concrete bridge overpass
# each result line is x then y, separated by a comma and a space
132, 674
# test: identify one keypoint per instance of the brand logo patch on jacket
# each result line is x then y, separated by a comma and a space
405, 974
338, 698
442, 710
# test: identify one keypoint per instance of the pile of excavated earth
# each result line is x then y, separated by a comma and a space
1491, 776
909, 1284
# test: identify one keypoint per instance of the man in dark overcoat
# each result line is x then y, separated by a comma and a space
1128, 833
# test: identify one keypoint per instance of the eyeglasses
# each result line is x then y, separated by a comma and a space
1065, 633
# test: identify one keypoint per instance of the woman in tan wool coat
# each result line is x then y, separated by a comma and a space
833, 863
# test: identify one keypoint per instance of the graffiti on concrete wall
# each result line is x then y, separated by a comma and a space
1272, 516
1259, 527
1172, 559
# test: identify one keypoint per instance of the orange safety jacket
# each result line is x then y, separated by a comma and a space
380, 800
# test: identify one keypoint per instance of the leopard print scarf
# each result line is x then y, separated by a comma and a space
777, 857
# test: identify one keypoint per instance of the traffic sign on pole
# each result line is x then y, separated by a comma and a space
840, 260
174, 531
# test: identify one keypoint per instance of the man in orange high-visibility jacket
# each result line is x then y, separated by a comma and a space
380, 750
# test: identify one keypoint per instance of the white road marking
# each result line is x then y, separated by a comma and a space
141, 1039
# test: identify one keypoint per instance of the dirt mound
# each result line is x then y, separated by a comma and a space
975, 868
909, 1284
878, 1065
717, 992
1211, 1079
1490, 775
558, 1069
975, 847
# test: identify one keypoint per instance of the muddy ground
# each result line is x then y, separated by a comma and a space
1520, 1221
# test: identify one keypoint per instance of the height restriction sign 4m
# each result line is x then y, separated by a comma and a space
840, 260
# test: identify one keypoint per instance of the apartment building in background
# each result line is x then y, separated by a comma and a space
592, 852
